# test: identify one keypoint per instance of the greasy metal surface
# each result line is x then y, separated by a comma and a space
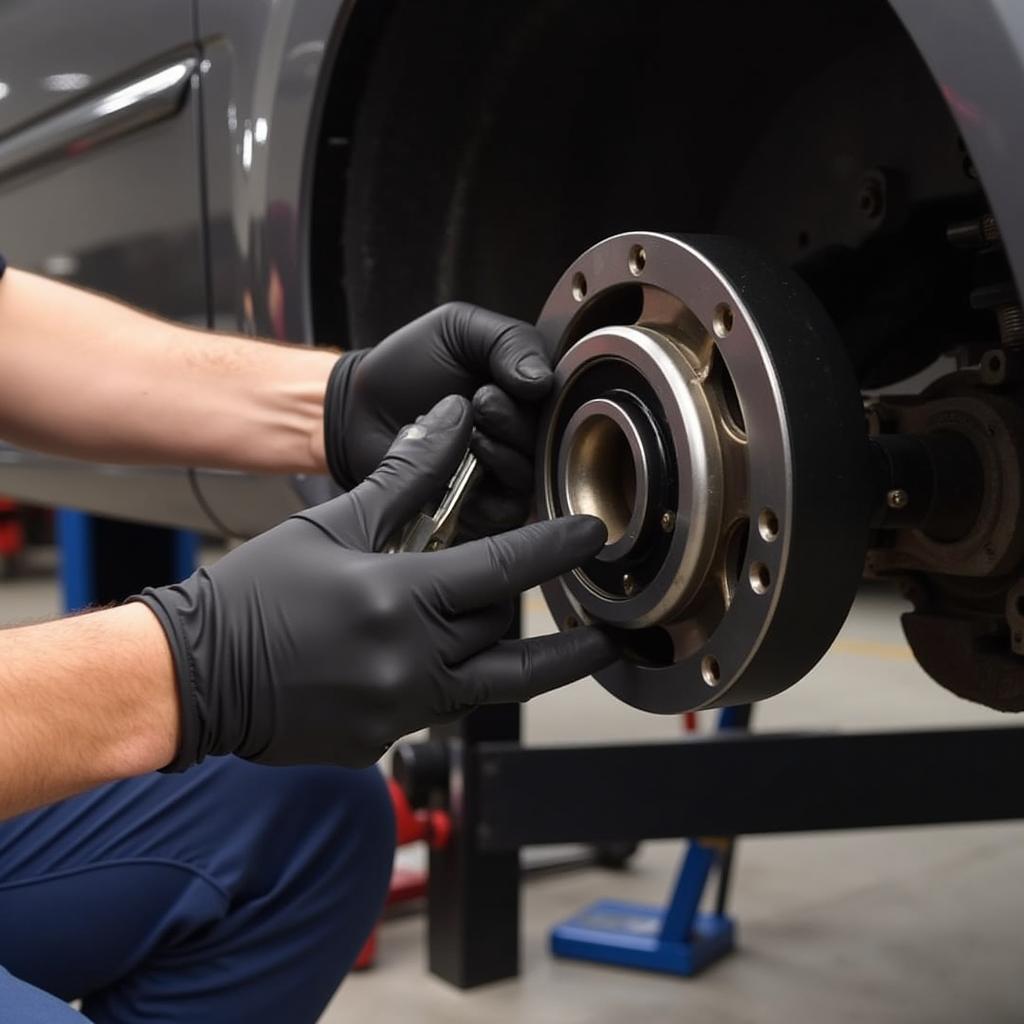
994, 426
74, 131
967, 625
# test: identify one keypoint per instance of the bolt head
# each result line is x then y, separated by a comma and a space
668, 521
628, 585
897, 498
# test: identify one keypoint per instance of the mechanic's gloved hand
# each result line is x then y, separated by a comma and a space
304, 646
501, 364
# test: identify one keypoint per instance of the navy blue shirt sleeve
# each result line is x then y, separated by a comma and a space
3, 265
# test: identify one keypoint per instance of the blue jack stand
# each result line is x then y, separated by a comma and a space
677, 939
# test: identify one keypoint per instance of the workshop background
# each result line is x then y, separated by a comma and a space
902, 924
324, 170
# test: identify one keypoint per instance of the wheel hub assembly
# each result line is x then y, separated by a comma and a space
706, 412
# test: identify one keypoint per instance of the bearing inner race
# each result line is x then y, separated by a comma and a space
603, 471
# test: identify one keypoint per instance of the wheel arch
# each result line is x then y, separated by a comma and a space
347, 257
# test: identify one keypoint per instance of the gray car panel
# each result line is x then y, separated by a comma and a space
53, 52
128, 220
263, 69
976, 53
160, 495
132, 218
123, 217
76, 130
263, 72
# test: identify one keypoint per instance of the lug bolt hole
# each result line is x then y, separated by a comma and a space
768, 525
710, 670
721, 322
637, 260
760, 578
579, 286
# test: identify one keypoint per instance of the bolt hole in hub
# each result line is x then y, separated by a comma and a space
705, 411
768, 524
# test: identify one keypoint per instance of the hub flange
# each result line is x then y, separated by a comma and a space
706, 411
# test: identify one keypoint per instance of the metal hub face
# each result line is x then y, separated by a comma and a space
639, 446
672, 422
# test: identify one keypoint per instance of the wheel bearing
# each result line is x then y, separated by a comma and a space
706, 411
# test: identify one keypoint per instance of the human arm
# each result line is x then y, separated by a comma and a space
83, 700
86, 376
503, 365
303, 645
307, 645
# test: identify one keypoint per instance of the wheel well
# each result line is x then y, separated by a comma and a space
482, 146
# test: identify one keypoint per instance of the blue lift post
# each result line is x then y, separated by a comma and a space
676, 939
103, 561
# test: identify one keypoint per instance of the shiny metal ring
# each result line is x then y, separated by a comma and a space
698, 493
603, 472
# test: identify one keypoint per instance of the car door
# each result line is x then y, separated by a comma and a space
100, 184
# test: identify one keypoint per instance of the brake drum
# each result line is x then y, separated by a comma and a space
706, 411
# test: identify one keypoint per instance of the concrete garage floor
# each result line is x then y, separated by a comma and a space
894, 925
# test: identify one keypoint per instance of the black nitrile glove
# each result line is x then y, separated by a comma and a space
501, 364
304, 646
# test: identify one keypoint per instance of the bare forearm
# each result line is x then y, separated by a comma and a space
86, 376
83, 701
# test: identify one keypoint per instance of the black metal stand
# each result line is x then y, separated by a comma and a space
504, 796
473, 894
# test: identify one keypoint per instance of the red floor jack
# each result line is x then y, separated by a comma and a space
433, 827
12, 537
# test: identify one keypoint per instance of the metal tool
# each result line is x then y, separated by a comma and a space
437, 531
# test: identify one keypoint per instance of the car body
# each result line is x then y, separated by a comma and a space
321, 171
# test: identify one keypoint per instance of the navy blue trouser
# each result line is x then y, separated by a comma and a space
233, 892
